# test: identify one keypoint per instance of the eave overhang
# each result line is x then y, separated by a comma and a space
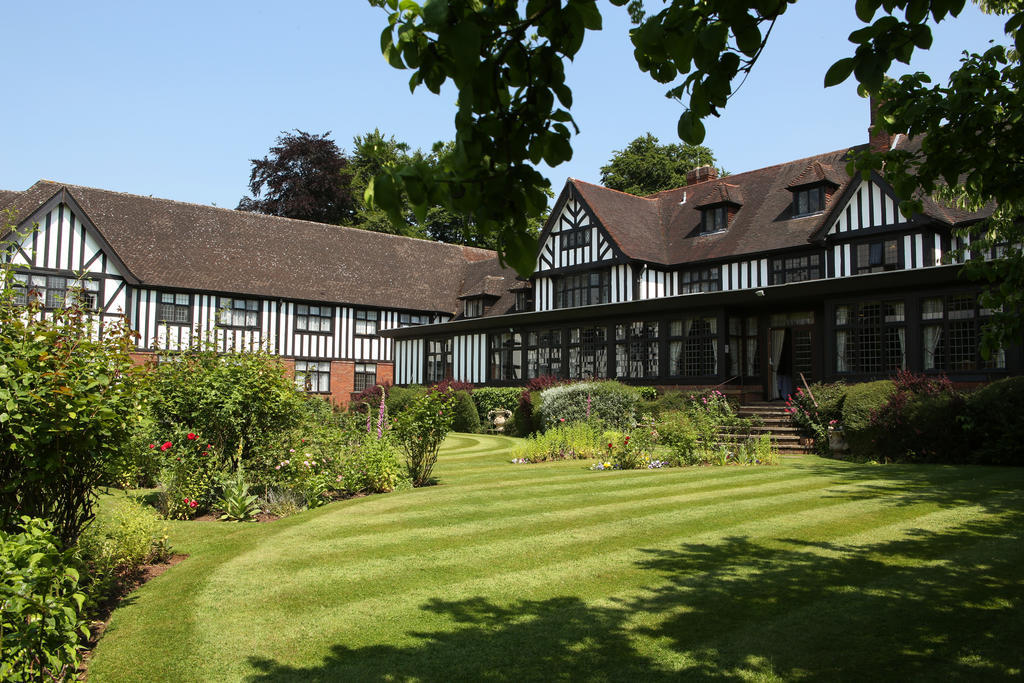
773, 295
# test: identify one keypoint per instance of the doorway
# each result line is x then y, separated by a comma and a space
791, 349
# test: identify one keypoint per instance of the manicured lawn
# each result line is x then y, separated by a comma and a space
812, 569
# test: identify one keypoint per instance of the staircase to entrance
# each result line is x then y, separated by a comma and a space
775, 421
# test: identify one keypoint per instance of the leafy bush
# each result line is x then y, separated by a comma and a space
449, 385
400, 398
680, 436
495, 398
814, 412
994, 422
466, 417
281, 502
242, 401
236, 503
918, 423
371, 466
41, 621
524, 419
569, 441
125, 535
420, 430
630, 450
670, 401
860, 402
189, 475
612, 403
647, 393
369, 398
69, 403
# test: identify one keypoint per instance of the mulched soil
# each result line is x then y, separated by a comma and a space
127, 584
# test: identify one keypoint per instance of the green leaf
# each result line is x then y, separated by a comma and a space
839, 72
690, 129
520, 251
435, 13
590, 14
866, 9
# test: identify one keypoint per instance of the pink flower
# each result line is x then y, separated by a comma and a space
278, 467
561, 419
291, 450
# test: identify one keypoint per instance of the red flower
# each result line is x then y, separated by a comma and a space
167, 444
209, 445
609, 445
193, 504
191, 436
627, 438
152, 445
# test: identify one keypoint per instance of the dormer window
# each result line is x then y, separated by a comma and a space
715, 218
474, 308
808, 200
524, 302
718, 206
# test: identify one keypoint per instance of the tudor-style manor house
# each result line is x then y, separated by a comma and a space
793, 270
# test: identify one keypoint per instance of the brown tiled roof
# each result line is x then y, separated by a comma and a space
489, 279
6, 197
817, 172
174, 244
723, 193
664, 228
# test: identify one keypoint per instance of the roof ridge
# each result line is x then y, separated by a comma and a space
611, 189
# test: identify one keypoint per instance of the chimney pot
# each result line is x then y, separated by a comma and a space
701, 174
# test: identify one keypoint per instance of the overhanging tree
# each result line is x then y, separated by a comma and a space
506, 58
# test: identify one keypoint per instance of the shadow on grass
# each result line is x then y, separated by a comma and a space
929, 605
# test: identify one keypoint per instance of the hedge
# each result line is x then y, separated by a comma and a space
862, 400
613, 403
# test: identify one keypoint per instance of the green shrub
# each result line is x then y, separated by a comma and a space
568, 441
420, 431
190, 475
860, 402
242, 402
670, 401
41, 606
400, 398
525, 420
495, 398
919, 422
647, 393
612, 403
125, 535
681, 437
631, 450
69, 403
371, 466
236, 503
814, 412
994, 422
467, 419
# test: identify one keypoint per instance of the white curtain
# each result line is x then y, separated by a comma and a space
778, 337
841, 351
902, 332
713, 329
932, 335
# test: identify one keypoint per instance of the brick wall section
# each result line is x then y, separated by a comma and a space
342, 381
142, 358
385, 373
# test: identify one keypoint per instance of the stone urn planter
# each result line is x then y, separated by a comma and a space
836, 441
499, 418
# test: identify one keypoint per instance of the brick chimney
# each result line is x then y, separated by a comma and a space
701, 174
878, 138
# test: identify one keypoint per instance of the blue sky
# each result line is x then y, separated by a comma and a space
173, 99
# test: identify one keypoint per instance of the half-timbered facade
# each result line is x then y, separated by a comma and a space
755, 281
319, 296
